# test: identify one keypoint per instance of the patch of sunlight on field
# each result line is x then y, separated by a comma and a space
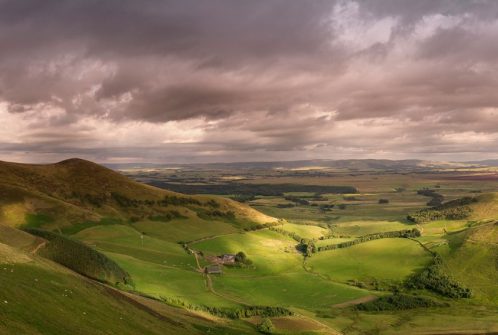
13, 214
360, 228
304, 231
184, 229
269, 251
442, 227
385, 259
168, 282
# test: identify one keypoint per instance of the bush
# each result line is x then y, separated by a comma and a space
266, 326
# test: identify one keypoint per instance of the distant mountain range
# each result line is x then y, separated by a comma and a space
353, 164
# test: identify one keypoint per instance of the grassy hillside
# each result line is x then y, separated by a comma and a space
156, 244
107, 211
39, 297
80, 193
471, 257
483, 207
42, 297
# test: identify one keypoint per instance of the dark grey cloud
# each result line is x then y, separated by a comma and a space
224, 78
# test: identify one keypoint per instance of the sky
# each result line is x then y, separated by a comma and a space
261, 80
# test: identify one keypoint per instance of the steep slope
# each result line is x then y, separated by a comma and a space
486, 207
40, 297
74, 191
481, 208
471, 257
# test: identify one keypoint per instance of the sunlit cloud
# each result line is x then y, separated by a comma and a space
181, 81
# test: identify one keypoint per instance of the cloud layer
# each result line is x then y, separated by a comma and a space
221, 80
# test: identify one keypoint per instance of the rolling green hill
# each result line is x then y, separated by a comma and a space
471, 257
136, 260
54, 203
78, 192
41, 297
482, 207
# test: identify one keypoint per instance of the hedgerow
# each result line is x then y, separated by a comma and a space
397, 302
407, 233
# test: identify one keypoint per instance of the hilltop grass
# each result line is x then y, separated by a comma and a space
75, 194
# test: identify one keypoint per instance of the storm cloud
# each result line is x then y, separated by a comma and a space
221, 80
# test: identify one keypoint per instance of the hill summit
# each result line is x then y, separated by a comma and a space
73, 191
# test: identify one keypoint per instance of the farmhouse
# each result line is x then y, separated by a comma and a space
227, 259
214, 269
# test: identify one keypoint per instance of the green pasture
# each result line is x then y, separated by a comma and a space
385, 259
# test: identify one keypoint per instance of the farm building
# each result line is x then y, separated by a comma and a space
214, 269
227, 258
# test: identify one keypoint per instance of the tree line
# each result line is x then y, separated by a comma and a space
436, 198
397, 302
406, 233
81, 258
252, 189
231, 312
452, 210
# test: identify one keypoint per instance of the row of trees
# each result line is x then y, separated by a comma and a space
397, 302
168, 200
167, 216
436, 198
253, 189
81, 258
290, 234
406, 233
217, 214
232, 312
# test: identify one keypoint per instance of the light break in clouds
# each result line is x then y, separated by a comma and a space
221, 80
